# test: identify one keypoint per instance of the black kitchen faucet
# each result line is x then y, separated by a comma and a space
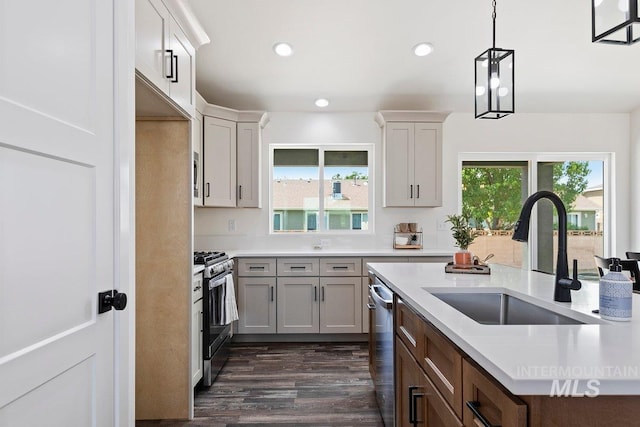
564, 283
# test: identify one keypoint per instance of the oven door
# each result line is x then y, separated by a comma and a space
215, 332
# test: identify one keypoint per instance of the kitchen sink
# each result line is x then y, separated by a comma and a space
502, 309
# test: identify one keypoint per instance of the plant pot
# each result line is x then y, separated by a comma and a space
462, 259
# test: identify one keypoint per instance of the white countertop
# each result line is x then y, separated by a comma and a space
197, 269
527, 359
310, 252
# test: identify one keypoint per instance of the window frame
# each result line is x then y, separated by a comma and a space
322, 218
530, 251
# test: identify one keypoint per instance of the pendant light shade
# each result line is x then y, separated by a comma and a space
494, 83
494, 80
615, 21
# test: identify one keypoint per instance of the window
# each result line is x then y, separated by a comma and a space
493, 192
277, 220
359, 221
320, 189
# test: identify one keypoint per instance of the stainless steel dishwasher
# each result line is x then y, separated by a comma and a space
382, 298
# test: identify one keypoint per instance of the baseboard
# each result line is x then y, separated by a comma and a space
260, 338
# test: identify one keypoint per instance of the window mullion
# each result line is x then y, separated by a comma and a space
321, 227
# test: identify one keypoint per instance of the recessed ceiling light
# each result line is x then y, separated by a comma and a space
283, 49
321, 102
423, 49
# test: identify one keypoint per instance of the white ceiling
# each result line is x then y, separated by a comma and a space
358, 54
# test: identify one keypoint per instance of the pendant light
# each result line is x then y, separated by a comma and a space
614, 21
495, 76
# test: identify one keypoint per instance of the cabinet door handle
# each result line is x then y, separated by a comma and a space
473, 405
418, 191
240, 192
315, 293
411, 191
340, 267
170, 52
208, 188
322, 293
298, 267
413, 405
271, 293
256, 267
174, 58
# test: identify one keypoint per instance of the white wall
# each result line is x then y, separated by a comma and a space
634, 177
462, 133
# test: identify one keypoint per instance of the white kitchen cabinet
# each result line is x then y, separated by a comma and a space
257, 305
182, 84
413, 164
340, 305
219, 167
298, 308
152, 36
196, 330
164, 55
197, 143
249, 167
412, 157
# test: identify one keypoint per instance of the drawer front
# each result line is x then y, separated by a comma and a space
248, 267
443, 364
341, 266
436, 410
408, 327
491, 402
298, 266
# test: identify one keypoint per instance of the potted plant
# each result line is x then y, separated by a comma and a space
464, 235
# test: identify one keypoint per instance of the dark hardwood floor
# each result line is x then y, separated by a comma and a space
301, 384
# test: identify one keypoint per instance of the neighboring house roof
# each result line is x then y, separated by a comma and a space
302, 194
583, 204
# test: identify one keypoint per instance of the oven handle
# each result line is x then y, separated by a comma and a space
219, 280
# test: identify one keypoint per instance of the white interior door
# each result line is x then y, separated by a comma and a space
56, 213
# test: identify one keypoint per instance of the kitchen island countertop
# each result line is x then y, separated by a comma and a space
602, 357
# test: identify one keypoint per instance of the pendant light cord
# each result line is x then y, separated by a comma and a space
493, 16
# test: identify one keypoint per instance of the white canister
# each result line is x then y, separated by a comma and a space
616, 292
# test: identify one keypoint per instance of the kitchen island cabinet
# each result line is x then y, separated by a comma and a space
510, 375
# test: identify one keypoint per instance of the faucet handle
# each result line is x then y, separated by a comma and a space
575, 283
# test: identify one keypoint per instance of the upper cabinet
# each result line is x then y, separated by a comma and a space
152, 35
219, 162
248, 164
165, 54
232, 157
412, 158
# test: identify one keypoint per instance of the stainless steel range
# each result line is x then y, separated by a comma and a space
217, 300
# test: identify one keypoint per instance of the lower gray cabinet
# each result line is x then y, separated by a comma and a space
298, 305
257, 305
340, 305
